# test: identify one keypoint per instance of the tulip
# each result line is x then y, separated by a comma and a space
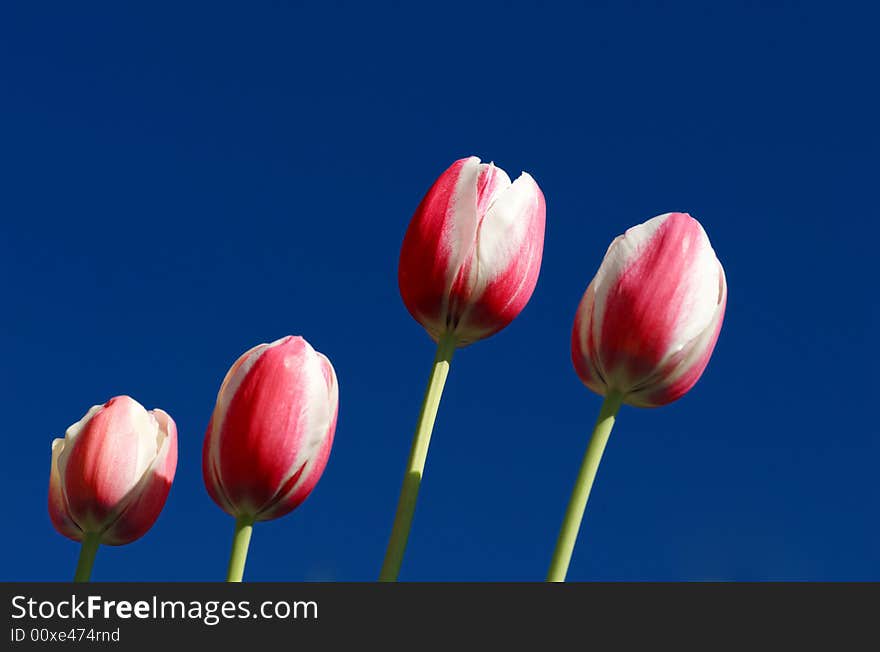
643, 334
471, 255
468, 266
648, 322
110, 476
270, 435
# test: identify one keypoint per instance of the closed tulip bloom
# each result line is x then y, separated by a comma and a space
271, 431
643, 334
468, 266
471, 255
112, 472
649, 320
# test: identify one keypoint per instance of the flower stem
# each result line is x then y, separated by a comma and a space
244, 525
415, 467
87, 553
578, 502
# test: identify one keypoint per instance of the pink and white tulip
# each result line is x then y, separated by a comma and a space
270, 435
112, 472
649, 320
471, 255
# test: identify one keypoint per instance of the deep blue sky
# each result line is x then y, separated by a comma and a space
178, 184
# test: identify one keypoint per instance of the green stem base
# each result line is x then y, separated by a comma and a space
406, 505
575, 513
87, 553
244, 526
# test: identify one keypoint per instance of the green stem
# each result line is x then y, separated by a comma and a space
87, 553
415, 467
578, 502
244, 525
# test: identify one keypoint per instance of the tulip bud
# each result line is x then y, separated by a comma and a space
112, 472
471, 255
271, 431
648, 322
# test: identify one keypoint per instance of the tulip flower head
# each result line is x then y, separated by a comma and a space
471, 255
648, 322
112, 472
271, 431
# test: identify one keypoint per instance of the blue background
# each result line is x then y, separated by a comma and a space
179, 184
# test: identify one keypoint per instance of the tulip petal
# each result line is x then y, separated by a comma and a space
483, 186
436, 243
680, 373
510, 245
238, 372
59, 511
649, 319
651, 295
106, 461
472, 252
210, 450
461, 222
583, 345
213, 482
300, 485
271, 423
111, 473
139, 510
